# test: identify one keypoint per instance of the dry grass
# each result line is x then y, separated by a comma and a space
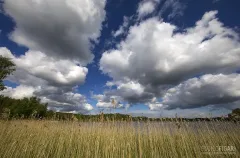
29, 139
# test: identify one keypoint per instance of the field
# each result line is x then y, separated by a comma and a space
32, 138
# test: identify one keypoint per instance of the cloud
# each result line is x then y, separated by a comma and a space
177, 9
206, 90
108, 105
60, 36
63, 101
146, 7
19, 92
126, 94
107, 101
68, 102
216, 1
157, 57
123, 27
61, 29
130, 91
58, 72
61, 72
53, 81
155, 105
153, 54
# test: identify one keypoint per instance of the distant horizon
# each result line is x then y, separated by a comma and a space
155, 115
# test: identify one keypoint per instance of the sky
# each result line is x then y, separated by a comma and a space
155, 58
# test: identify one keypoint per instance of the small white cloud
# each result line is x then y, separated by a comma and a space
19, 92
123, 27
107, 105
108, 101
176, 6
146, 7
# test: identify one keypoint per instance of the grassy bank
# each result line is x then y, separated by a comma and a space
29, 139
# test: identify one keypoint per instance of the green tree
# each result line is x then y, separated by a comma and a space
26, 107
235, 114
236, 111
6, 68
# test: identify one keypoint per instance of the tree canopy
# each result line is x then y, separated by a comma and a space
22, 108
6, 68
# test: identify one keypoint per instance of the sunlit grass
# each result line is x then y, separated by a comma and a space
29, 139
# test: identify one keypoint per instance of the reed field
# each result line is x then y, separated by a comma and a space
70, 139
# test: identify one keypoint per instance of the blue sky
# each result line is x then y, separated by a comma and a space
159, 79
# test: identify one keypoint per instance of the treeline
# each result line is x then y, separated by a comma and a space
22, 108
234, 116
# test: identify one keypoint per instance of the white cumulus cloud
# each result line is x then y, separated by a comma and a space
49, 79
19, 92
61, 29
146, 7
203, 91
153, 54
158, 57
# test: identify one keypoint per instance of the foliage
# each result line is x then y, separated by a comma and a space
23, 108
236, 111
235, 114
6, 68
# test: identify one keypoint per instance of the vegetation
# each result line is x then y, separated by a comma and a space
22, 108
6, 68
235, 114
58, 139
